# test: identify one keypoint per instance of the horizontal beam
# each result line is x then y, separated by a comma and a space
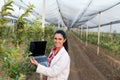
112, 22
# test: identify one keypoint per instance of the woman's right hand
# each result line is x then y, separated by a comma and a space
33, 61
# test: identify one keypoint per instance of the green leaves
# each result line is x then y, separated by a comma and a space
6, 7
27, 12
15, 59
5, 11
14, 44
11, 62
20, 33
2, 46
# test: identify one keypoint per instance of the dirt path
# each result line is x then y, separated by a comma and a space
86, 65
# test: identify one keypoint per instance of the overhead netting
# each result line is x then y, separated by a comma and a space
71, 13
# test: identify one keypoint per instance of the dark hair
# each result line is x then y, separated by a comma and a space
65, 44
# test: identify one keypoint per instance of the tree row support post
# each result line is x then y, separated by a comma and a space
43, 25
111, 31
58, 21
98, 33
86, 35
43, 16
81, 33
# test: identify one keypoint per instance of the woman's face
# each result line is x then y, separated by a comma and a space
58, 40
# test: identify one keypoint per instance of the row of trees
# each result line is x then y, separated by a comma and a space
107, 41
15, 41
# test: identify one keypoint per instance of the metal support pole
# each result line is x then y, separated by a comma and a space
43, 14
86, 35
62, 24
43, 26
111, 31
98, 34
81, 33
58, 22
59, 18
4, 1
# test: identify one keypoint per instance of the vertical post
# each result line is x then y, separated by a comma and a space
62, 24
43, 25
43, 14
58, 22
111, 31
86, 35
98, 43
81, 33
4, 1
19, 10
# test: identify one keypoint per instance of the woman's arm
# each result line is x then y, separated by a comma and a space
55, 69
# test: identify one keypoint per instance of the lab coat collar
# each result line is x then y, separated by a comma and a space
58, 55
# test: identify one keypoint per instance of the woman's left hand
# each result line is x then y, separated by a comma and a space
33, 61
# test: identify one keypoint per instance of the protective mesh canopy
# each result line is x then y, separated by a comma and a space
71, 13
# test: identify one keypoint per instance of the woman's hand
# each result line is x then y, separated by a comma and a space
33, 61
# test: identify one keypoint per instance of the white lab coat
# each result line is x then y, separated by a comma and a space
59, 68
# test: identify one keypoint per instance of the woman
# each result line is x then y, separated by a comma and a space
58, 67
